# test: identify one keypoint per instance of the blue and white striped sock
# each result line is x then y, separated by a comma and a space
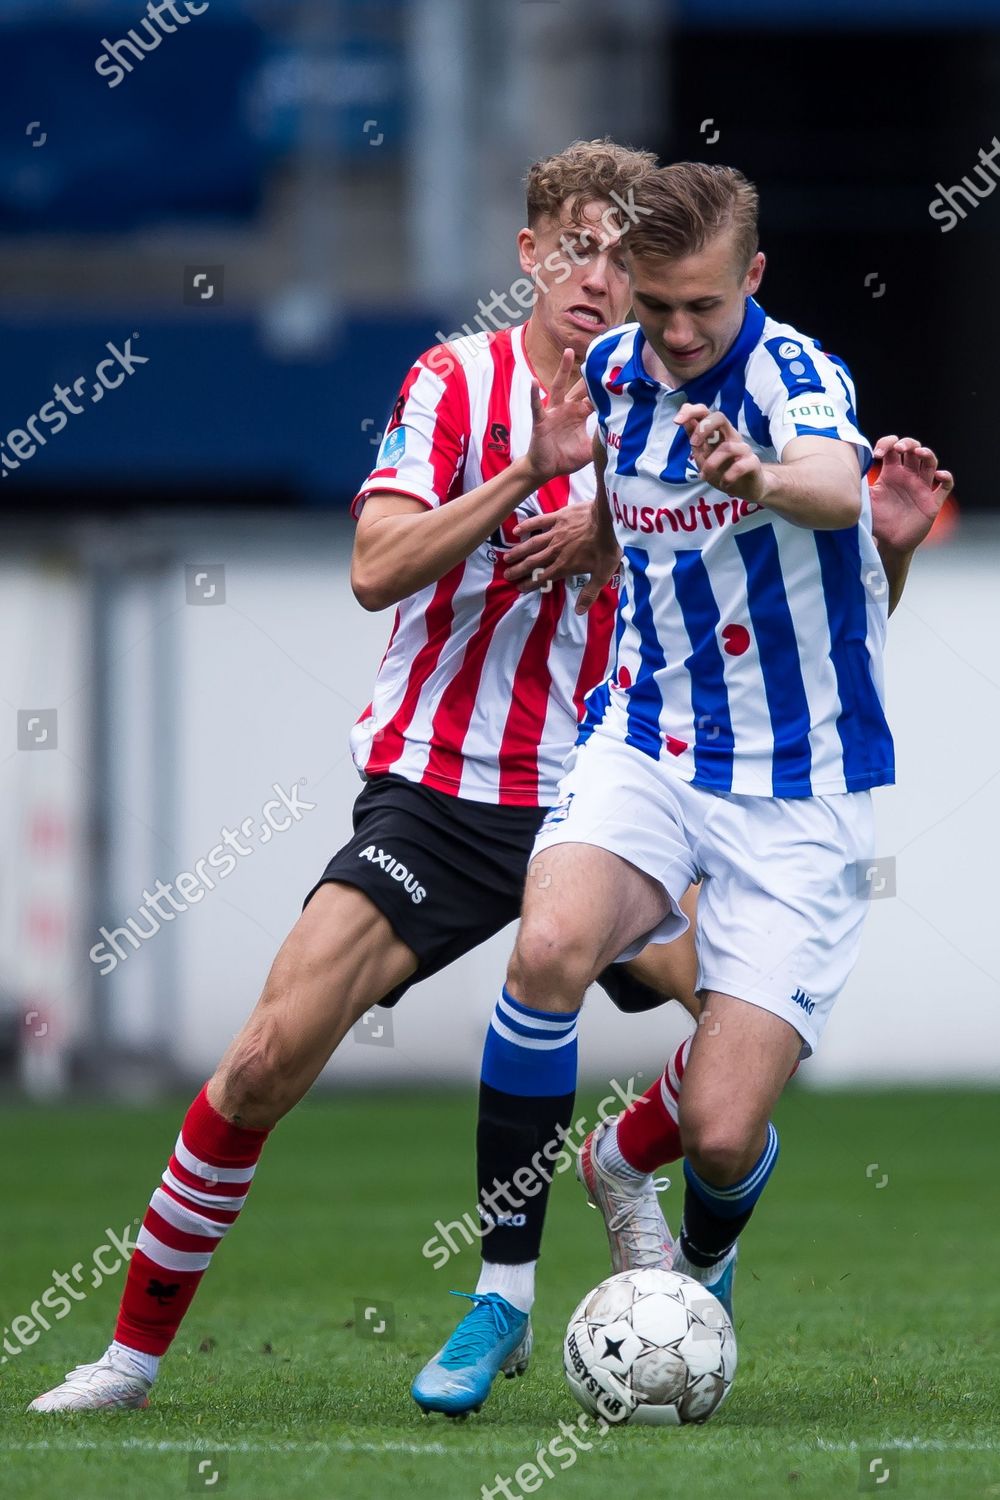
531, 1053
714, 1216
526, 1098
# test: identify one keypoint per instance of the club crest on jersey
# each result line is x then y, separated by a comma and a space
499, 439
392, 449
559, 813
503, 538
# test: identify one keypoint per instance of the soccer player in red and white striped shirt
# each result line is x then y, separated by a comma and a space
475, 707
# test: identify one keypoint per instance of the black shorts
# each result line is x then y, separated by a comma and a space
448, 874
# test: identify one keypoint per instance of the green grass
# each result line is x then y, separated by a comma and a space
867, 1317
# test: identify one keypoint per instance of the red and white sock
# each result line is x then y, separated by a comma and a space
200, 1197
648, 1135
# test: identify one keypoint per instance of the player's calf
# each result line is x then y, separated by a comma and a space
735, 1072
327, 973
715, 1216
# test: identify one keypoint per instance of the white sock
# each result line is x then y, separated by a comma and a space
704, 1274
133, 1360
515, 1283
610, 1159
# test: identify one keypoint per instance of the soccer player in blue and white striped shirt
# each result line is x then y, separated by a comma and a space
741, 731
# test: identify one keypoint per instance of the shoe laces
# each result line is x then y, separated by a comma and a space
487, 1321
639, 1220
82, 1373
111, 1362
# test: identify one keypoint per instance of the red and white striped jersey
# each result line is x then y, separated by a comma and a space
481, 688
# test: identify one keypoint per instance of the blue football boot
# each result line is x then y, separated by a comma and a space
493, 1338
722, 1287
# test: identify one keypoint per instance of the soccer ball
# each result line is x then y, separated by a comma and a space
650, 1347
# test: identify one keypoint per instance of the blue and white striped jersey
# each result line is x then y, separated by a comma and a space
748, 649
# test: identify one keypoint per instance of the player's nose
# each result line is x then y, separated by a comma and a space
678, 334
595, 277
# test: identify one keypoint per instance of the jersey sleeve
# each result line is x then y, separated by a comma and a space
802, 392
423, 451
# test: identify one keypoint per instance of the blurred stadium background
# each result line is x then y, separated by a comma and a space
280, 207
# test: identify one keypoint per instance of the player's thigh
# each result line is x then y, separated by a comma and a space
741, 1058
583, 906
672, 968
339, 959
779, 915
610, 862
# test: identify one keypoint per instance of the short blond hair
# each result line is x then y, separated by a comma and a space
586, 172
683, 206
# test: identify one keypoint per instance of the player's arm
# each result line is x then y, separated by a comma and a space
402, 545
907, 498
816, 483
607, 554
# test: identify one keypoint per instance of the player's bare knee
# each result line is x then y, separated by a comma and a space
719, 1149
545, 971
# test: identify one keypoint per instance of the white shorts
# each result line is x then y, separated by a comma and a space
779, 913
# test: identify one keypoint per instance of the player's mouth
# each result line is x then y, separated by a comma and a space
687, 356
582, 316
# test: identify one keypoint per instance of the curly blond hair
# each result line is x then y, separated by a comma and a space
586, 172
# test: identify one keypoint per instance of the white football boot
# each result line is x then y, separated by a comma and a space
638, 1233
96, 1387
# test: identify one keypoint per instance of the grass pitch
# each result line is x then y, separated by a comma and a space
867, 1309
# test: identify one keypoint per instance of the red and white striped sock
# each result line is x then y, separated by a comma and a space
648, 1135
200, 1196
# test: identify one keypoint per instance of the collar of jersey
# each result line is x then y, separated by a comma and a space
703, 387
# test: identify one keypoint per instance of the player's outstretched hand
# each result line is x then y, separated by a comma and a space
725, 460
560, 443
557, 544
908, 494
607, 561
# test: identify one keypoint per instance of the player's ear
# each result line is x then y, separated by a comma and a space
527, 250
755, 273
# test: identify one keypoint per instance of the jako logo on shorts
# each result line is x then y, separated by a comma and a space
399, 872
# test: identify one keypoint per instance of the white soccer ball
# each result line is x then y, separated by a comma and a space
651, 1347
